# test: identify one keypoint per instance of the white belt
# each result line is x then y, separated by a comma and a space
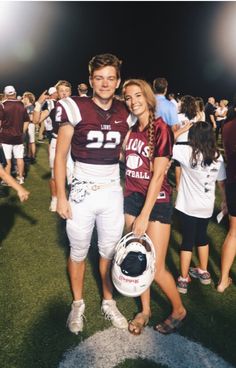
95, 186
81, 189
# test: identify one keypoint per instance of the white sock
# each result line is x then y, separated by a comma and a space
184, 278
78, 302
107, 301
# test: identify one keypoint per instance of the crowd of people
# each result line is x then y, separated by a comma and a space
88, 137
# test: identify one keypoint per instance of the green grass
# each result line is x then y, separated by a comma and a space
35, 294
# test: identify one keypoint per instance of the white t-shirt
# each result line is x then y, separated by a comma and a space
182, 121
221, 111
175, 103
196, 194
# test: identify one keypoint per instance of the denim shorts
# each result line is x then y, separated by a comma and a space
161, 212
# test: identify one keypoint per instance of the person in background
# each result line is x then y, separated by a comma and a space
201, 116
49, 102
201, 166
178, 99
171, 97
164, 108
220, 114
187, 117
229, 247
28, 100
8, 180
187, 114
44, 111
14, 123
82, 90
147, 203
210, 112
64, 90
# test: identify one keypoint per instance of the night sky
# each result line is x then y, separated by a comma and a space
192, 44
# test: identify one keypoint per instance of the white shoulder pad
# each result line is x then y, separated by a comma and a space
72, 110
131, 120
50, 104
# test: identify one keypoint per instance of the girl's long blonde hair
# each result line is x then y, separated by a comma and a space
151, 102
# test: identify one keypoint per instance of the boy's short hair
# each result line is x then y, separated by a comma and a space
102, 60
160, 85
30, 96
63, 83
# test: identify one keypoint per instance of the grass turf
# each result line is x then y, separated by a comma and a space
35, 294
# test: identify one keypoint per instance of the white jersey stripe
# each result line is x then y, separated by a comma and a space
51, 105
72, 110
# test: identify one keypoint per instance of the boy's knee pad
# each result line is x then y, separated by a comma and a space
79, 242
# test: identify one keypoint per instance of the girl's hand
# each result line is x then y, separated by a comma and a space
187, 125
140, 226
23, 194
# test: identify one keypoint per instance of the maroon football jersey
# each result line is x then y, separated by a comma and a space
98, 133
13, 114
137, 173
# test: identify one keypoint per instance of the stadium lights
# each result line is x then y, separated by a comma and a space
26, 33
224, 36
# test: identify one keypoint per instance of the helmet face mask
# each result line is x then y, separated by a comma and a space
133, 267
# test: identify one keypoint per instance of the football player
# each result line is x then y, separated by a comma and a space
14, 122
28, 100
94, 128
61, 90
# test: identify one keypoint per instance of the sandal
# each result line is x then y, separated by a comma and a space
221, 288
138, 323
170, 325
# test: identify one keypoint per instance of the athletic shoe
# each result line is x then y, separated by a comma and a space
75, 321
20, 179
53, 205
112, 313
182, 284
204, 277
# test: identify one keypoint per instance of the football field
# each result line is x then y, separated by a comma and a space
35, 298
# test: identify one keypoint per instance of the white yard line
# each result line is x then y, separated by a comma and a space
110, 347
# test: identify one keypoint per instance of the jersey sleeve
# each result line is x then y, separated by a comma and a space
164, 141
67, 111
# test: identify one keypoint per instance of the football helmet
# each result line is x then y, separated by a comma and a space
133, 267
